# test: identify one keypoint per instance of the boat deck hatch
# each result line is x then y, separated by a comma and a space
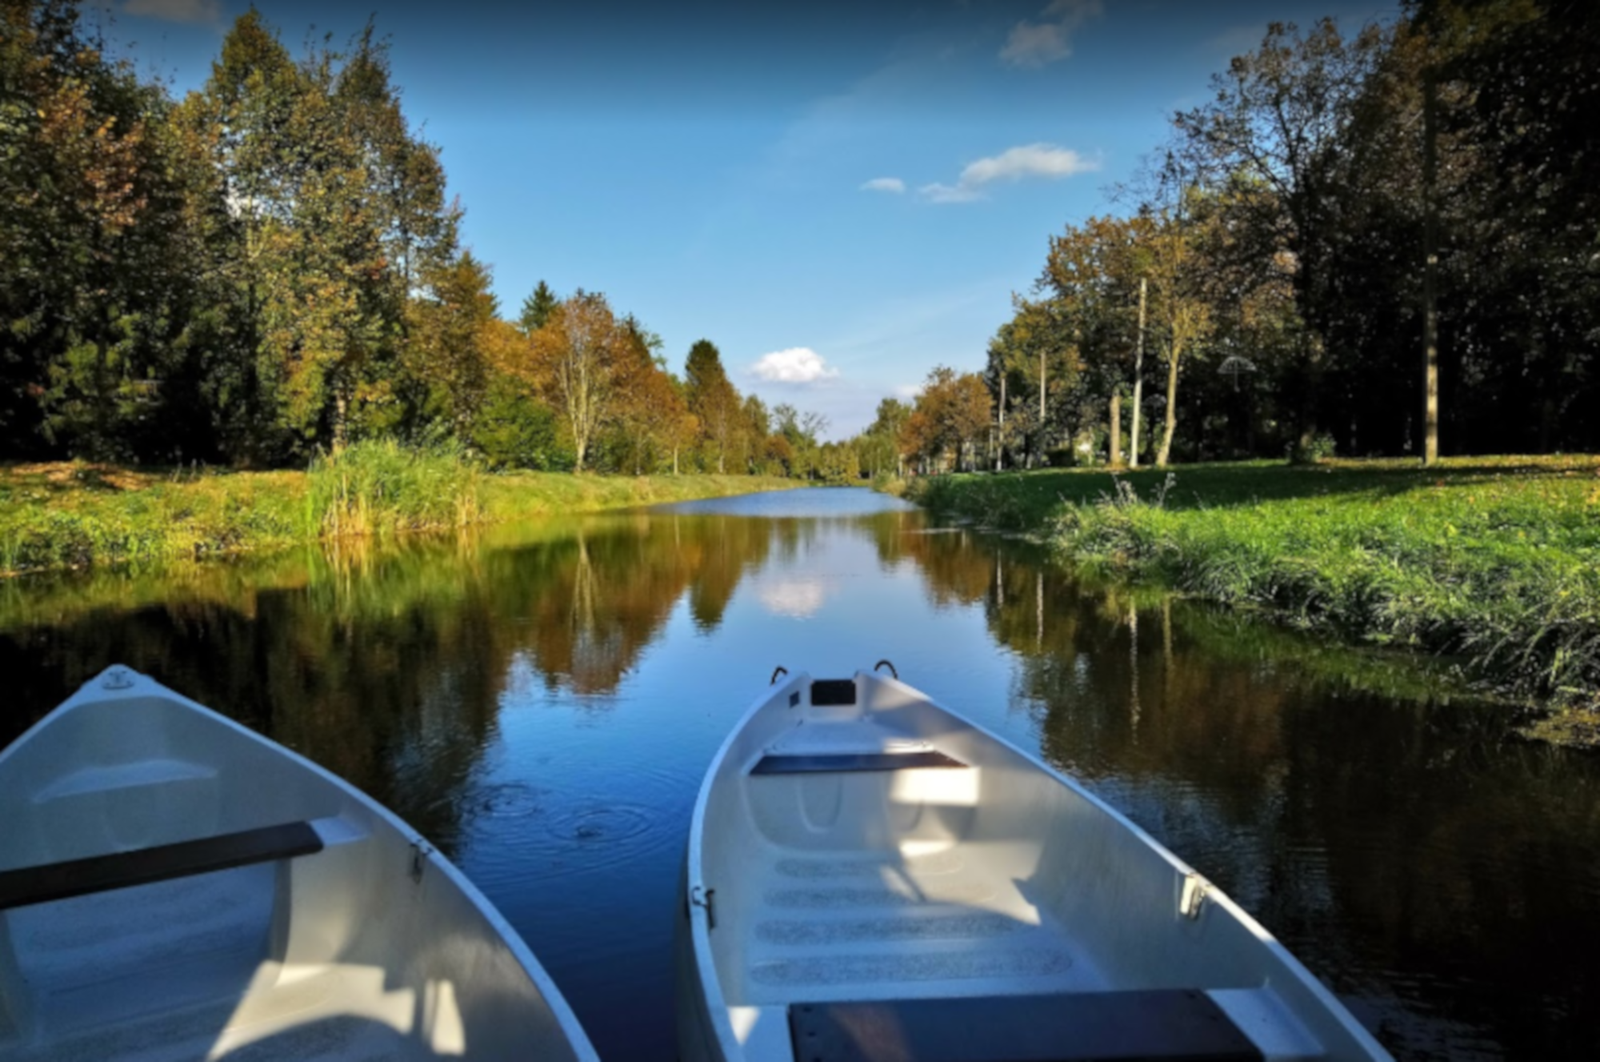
828, 692
817, 763
142, 866
1165, 1024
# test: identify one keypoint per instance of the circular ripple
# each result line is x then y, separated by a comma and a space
600, 825
506, 800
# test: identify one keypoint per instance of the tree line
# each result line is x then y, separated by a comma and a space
269, 268
1379, 242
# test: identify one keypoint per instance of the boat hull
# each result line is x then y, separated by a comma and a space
248, 904
863, 857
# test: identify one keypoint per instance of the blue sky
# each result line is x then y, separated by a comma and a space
839, 195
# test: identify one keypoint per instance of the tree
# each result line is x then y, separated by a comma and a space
96, 233
585, 355
799, 432
1175, 239
537, 308
1276, 118
952, 412
879, 446
712, 399
1033, 357
651, 412
446, 348
337, 214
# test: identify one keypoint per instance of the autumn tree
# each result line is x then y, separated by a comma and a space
586, 357
951, 415
515, 425
445, 352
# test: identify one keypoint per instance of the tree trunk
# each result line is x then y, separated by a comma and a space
1430, 269
1000, 433
1041, 407
340, 412
1138, 381
1114, 458
1172, 405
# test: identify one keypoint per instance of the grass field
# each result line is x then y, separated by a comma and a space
1493, 560
74, 514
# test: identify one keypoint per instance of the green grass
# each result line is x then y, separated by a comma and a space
1493, 561
75, 515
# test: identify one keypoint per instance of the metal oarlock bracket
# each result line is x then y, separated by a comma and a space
701, 896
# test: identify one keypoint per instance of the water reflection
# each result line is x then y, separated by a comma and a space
542, 700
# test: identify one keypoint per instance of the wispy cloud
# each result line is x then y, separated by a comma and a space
797, 365
205, 12
1036, 161
1049, 39
885, 184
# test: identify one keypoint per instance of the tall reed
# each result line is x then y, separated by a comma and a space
375, 487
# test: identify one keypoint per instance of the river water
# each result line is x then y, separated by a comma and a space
541, 701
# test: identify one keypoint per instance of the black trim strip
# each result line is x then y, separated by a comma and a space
1149, 1025
852, 761
121, 870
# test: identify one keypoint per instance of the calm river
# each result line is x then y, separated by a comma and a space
541, 702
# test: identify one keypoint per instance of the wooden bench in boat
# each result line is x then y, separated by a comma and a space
163, 862
1164, 1024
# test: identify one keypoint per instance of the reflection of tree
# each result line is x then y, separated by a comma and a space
722, 550
1383, 832
588, 603
384, 665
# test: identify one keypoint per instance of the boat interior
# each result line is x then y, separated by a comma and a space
174, 888
873, 862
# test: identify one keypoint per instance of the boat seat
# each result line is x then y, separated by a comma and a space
1164, 1024
141, 866
820, 762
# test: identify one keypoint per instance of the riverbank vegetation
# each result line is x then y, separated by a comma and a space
1492, 562
74, 514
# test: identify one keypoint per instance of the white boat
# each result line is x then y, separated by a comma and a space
175, 886
869, 876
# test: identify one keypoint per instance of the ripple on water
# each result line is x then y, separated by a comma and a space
607, 824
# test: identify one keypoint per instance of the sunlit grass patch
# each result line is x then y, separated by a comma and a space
1493, 560
74, 515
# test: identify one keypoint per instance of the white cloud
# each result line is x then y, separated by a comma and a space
1041, 43
201, 11
885, 184
797, 365
1042, 161
1030, 160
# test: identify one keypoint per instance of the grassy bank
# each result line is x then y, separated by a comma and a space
72, 515
1494, 561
